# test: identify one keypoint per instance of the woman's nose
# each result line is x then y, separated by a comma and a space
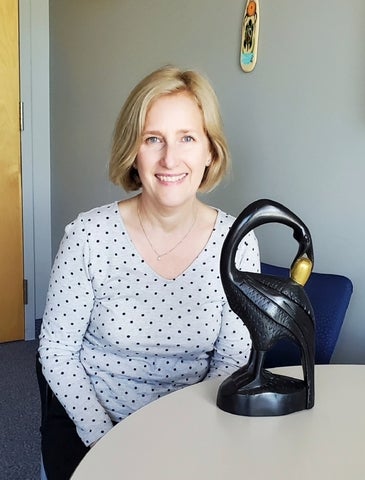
169, 155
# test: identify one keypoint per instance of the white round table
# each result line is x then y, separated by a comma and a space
184, 435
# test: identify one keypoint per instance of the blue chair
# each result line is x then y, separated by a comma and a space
330, 296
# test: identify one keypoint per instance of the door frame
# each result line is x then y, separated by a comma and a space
35, 151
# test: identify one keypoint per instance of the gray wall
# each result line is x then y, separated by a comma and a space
296, 124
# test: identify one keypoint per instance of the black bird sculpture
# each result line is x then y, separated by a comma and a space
272, 308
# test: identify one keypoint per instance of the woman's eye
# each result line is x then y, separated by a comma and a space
188, 138
152, 140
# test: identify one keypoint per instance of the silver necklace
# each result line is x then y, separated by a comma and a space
160, 255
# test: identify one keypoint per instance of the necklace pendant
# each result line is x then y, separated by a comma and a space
159, 256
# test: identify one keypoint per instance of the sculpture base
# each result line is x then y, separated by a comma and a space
270, 395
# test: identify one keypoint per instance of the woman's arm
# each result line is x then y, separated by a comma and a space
233, 345
69, 303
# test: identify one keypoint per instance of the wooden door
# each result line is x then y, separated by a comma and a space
11, 234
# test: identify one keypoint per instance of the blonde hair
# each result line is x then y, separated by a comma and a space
130, 123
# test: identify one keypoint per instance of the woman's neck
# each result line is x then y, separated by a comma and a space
165, 218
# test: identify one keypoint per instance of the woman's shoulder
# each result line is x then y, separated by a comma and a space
97, 216
248, 243
224, 220
101, 212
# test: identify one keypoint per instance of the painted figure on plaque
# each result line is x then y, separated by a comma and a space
250, 36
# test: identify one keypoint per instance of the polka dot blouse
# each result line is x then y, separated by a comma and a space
115, 335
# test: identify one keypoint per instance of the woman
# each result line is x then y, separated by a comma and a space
135, 307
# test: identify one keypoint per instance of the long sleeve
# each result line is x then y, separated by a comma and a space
69, 303
233, 345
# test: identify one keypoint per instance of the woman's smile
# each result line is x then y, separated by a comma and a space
171, 179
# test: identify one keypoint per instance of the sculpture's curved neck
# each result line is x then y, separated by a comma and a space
260, 213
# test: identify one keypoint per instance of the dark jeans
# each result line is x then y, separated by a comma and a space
62, 448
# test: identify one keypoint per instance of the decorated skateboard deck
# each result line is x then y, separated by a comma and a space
250, 35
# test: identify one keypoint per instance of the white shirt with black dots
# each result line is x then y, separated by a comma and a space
115, 335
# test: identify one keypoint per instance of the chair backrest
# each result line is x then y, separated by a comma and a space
329, 295
44, 390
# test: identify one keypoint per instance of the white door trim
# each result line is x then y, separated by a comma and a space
34, 93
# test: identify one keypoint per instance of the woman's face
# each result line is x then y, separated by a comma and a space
174, 150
